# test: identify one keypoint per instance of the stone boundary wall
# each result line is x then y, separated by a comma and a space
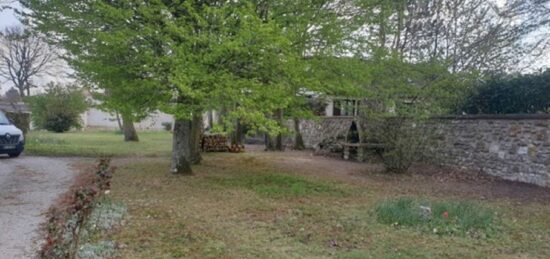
315, 132
512, 147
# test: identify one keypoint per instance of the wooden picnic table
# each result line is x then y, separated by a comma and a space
361, 149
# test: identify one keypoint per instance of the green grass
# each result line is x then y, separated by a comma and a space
246, 206
445, 217
97, 143
280, 185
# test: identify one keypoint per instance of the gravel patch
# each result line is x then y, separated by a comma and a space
28, 187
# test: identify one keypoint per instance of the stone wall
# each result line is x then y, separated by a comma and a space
513, 147
320, 130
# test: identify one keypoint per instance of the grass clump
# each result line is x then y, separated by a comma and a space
462, 217
281, 186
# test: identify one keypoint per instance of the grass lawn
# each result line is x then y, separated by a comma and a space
255, 206
97, 143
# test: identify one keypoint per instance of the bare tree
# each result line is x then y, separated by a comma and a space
468, 34
24, 56
6, 4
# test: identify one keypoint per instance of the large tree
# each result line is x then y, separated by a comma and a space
317, 31
24, 56
183, 57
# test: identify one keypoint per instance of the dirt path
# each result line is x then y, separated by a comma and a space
28, 187
422, 180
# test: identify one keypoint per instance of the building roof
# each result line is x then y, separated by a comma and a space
15, 107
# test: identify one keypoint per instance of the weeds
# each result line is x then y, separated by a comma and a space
462, 217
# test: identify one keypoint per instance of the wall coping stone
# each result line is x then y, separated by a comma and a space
494, 117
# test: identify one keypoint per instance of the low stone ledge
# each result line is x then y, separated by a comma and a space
494, 117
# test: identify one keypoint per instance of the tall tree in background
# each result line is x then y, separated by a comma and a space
6, 4
23, 57
467, 34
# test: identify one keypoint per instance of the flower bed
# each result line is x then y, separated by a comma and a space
67, 221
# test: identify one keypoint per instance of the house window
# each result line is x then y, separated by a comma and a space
337, 109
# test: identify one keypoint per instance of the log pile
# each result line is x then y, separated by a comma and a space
236, 148
214, 143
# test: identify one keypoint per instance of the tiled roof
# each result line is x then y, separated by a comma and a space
14, 107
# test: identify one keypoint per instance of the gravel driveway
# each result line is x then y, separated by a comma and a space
28, 187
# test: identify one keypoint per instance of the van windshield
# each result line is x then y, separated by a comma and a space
3, 119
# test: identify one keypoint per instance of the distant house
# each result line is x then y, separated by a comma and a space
14, 107
18, 112
342, 106
95, 118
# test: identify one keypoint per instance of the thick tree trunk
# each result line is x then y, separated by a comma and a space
275, 143
130, 133
269, 143
298, 139
196, 132
279, 143
237, 136
181, 152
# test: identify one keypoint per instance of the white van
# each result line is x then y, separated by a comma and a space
12, 141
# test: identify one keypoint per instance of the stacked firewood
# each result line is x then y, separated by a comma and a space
236, 148
214, 143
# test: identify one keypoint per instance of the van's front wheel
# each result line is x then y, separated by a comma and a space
13, 155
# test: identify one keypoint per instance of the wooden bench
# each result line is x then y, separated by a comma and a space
361, 149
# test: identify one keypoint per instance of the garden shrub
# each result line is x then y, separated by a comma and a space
58, 109
406, 141
462, 217
20, 120
67, 220
167, 126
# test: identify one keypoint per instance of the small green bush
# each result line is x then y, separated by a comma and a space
58, 109
167, 126
21, 120
464, 217
405, 142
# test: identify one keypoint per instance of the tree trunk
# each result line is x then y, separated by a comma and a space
269, 143
118, 121
237, 136
298, 140
279, 139
130, 133
275, 143
195, 141
181, 151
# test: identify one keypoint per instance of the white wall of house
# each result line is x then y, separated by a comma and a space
98, 119
95, 118
329, 109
